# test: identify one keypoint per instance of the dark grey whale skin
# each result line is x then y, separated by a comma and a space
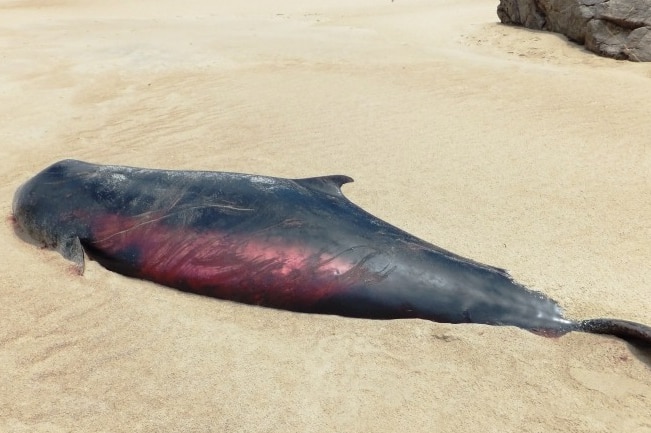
294, 244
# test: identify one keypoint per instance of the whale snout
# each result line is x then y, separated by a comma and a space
16, 203
29, 217
19, 207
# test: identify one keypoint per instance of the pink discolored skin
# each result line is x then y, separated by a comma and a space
254, 269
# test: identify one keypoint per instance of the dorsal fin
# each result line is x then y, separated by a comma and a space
327, 184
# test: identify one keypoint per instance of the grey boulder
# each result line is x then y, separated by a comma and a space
620, 29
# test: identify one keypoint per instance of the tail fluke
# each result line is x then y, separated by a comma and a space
630, 331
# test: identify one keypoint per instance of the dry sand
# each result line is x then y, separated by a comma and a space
513, 147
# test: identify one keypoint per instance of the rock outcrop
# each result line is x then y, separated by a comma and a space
613, 28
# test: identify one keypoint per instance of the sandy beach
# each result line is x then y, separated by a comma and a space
512, 147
